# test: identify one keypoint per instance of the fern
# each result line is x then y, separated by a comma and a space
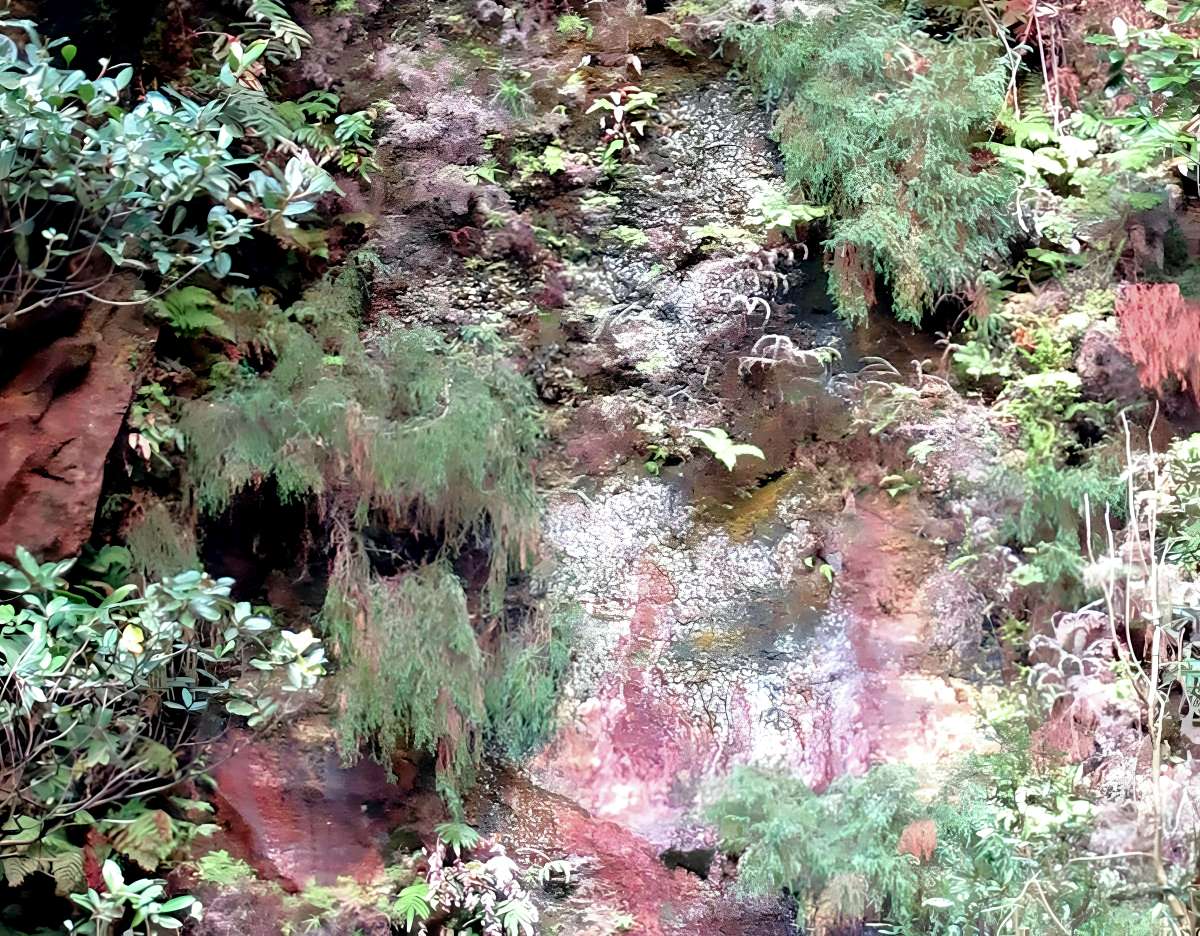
53, 855
67, 870
458, 835
964, 859
188, 310
787, 836
878, 119
724, 449
255, 115
220, 868
147, 837
412, 904
518, 917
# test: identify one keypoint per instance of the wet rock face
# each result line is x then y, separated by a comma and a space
59, 417
704, 645
957, 602
302, 817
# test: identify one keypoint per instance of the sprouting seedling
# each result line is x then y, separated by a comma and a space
724, 448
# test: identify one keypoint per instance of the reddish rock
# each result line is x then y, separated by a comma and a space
302, 817
622, 872
58, 417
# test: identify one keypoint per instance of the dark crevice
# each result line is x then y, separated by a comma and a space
695, 860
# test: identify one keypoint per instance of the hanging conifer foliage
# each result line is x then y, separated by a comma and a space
879, 120
428, 444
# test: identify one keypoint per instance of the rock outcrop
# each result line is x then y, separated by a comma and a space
300, 815
1106, 371
59, 416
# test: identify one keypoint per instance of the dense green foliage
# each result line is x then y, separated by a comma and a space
379, 430
879, 119
414, 670
417, 676
102, 693
1054, 476
991, 851
405, 457
154, 187
430, 439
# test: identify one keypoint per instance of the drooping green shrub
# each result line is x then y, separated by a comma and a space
429, 441
879, 120
159, 545
430, 434
996, 848
522, 694
419, 677
414, 670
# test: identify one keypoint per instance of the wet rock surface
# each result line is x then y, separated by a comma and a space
788, 613
299, 816
1105, 369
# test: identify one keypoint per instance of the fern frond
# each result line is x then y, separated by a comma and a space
285, 32
67, 869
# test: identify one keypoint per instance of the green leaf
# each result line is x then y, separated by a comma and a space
458, 835
412, 903
725, 450
189, 311
552, 159
113, 879
68, 53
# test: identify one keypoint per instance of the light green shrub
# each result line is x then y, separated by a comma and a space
878, 119
89, 183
